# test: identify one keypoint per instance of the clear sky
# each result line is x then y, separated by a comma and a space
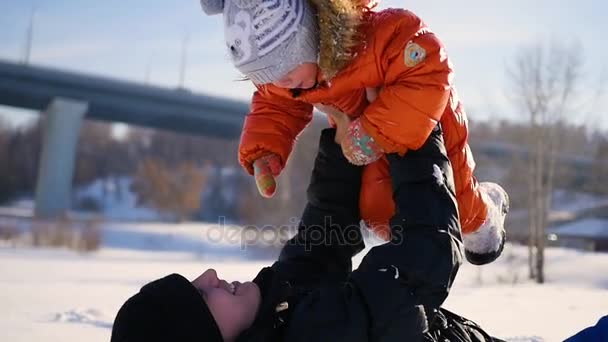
142, 39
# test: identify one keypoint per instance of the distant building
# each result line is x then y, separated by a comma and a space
590, 234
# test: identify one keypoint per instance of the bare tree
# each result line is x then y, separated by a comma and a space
174, 189
545, 80
184, 60
600, 168
29, 38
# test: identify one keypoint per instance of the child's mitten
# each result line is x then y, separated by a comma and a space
265, 169
358, 146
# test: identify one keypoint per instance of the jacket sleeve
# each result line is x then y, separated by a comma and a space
372, 305
400, 282
321, 252
329, 234
417, 86
271, 126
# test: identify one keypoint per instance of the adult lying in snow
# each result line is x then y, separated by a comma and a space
310, 293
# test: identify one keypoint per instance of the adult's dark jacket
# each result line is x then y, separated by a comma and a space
310, 293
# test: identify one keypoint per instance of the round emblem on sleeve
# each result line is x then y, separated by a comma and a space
414, 54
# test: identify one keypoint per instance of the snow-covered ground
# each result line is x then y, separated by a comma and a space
116, 199
60, 295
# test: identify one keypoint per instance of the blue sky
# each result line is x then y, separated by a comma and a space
124, 39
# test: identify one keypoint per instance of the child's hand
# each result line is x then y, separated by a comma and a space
341, 120
358, 146
265, 169
372, 94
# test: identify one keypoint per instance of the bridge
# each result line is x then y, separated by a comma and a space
66, 98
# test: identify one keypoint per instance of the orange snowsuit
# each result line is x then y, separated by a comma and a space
407, 61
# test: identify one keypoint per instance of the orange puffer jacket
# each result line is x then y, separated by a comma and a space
407, 61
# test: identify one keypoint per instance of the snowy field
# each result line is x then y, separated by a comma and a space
60, 295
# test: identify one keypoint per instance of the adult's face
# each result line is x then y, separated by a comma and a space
233, 305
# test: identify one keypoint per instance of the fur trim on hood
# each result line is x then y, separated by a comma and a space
340, 31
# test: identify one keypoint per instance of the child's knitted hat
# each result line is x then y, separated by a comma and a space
267, 39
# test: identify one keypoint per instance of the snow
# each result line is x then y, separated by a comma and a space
590, 228
117, 200
507, 305
16, 212
61, 295
216, 241
567, 205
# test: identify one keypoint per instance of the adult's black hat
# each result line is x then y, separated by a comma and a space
168, 309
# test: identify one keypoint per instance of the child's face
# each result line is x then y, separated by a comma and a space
233, 305
304, 76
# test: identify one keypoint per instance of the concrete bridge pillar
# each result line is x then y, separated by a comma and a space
56, 171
